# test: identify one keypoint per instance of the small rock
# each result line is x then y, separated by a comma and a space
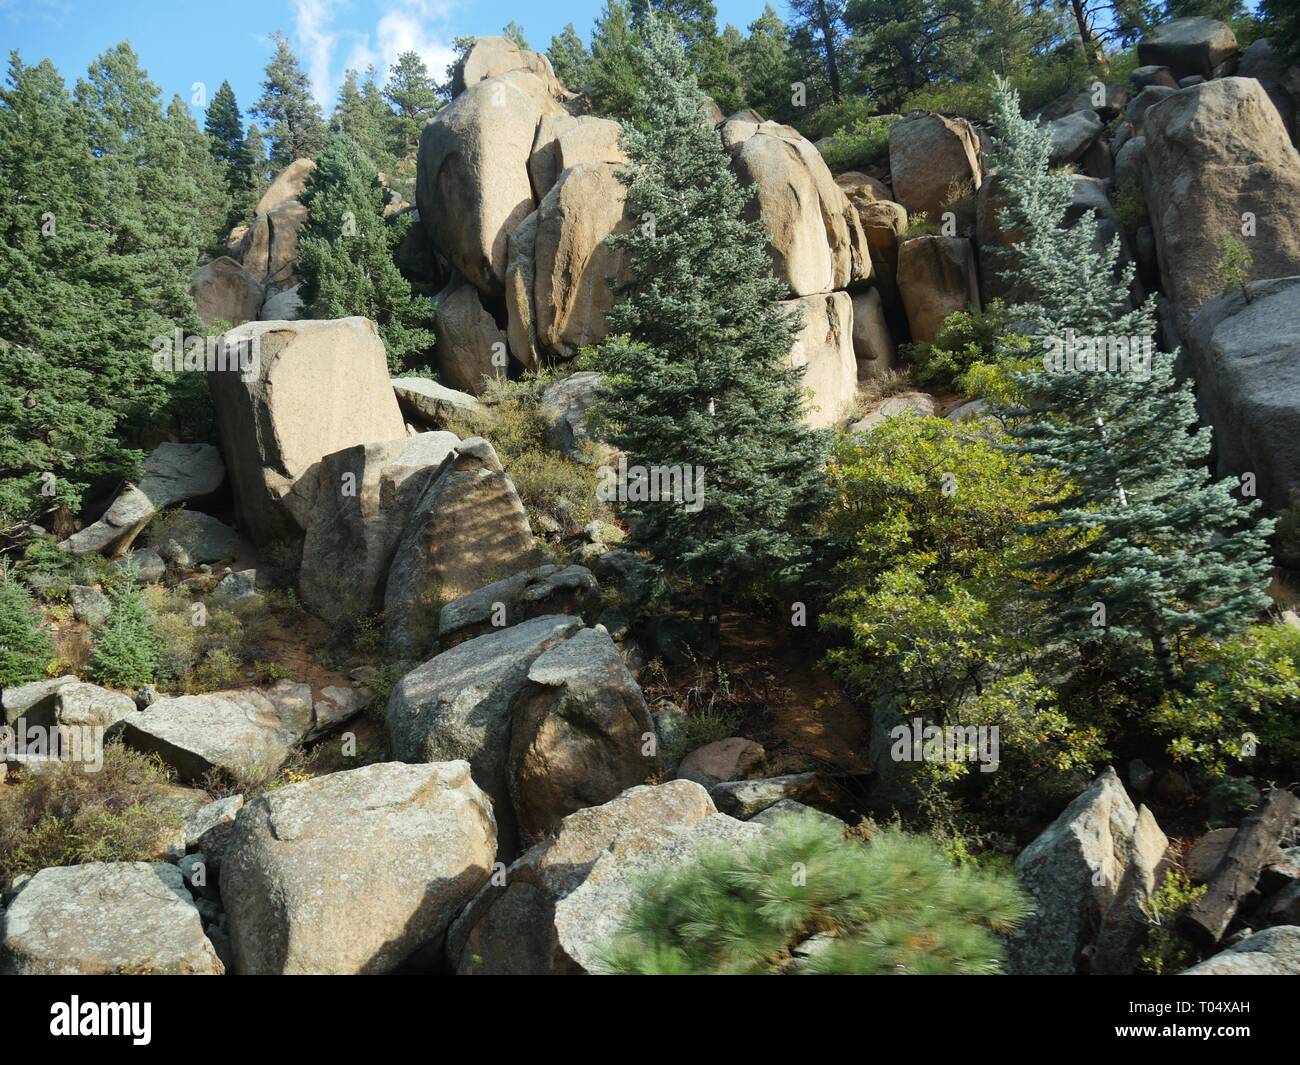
1203, 857
734, 758
89, 604
236, 586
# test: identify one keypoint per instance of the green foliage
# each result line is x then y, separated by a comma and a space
697, 366
965, 339
128, 651
865, 144
295, 127
892, 905
569, 58
362, 114
553, 487
224, 126
1242, 705
1169, 555
1235, 262
413, 95
69, 815
1131, 206
25, 644
346, 254
1167, 950
1281, 20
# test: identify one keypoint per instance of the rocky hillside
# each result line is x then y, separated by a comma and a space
374, 677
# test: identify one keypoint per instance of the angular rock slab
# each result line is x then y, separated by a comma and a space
544, 590
824, 348
235, 731
355, 872
173, 473
104, 918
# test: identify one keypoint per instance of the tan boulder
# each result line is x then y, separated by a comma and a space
873, 346
521, 275
733, 758
224, 291
824, 348
471, 346
573, 264
473, 186
468, 529
1217, 153
1190, 46
936, 276
288, 185
563, 141
862, 189
814, 236
489, 56
930, 159
270, 247
312, 388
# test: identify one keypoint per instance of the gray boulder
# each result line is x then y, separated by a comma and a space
1196, 45
100, 919
431, 403
89, 604
581, 733
18, 699
544, 590
1089, 875
198, 537
240, 732
355, 872
747, 798
173, 473
459, 705
1073, 135
565, 405
1272, 952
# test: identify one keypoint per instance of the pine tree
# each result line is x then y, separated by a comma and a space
257, 160
698, 367
224, 126
25, 644
570, 58
296, 129
413, 96
1167, 554
363, 115
128, 651
766, 65
346, 254
615, 79
892, 905
512, 31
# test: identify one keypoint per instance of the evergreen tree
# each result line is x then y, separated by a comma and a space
905, 45
128, 650
363, 115
1166, 553
892, 905
210, 200
512, 31
296, 129
570, 58
346, 254
260, 166
414, 98
1282, 22
823, 21
698, 366
25, 644
615, 80
224, 126
767, 67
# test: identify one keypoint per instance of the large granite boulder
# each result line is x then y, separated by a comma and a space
173, 473
564, 405
459, 704
364, 495
1215, 153
936, 276
1072, 136
315, 388
581, 733
1246, 360
355, 872
824, 348
563, 900
200, 538
223, 291
244, 732
426, 402
473, 184
930, 159
873, 345
467, 529
471, 348
1089, 874
1270, 952
103, 919
269, 250
815, 238
287, 186
563, 141
1196, 45
487, 57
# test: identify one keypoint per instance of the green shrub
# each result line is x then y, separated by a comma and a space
965, 339
1242, 705
862, 145
919, 225
25, 644
67, 815
892, 905
1131, 206
1166, 949
128, 652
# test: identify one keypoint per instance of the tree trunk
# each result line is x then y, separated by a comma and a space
1088, 41
828, 38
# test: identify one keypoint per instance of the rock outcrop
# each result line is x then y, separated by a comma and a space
936, 276
224, 291
1187, 46
355, 872
931, 158
316, 387
824, 348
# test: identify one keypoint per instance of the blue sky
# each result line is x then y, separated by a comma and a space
181, 42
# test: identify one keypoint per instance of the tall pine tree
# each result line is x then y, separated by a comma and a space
346, 254
224, 126
296, 128
1166, 554
413, 97
698, 366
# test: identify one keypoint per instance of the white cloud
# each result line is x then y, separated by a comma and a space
420, 26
